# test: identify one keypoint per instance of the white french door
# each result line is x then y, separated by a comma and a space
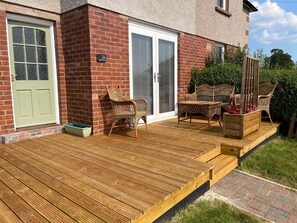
153, 69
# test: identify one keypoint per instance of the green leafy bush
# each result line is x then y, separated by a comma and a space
217, 74
284, 100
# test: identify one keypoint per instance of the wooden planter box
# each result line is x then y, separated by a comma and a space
238, 126
78, 129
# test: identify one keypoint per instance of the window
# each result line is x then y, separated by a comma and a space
223, 7
222, 4
30, 53
219, 53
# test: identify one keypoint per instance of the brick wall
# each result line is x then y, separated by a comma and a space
6, 114
110, 36
95, 30
76, 46
192, 51
83, 33
88, 31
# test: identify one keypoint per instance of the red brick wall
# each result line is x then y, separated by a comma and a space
88, 31
94, 30
110, 36
76, 47
6, 114
83, 33
192, 52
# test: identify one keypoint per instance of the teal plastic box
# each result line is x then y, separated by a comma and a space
78, 129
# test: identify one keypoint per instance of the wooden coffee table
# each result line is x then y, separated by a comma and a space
206, 108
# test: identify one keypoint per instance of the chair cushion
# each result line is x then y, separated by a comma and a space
116, 95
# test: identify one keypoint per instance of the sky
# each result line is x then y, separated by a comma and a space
274, 26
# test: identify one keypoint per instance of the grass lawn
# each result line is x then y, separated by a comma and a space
212, 212
276, 161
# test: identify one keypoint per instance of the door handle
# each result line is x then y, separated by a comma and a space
13, 76
158, 77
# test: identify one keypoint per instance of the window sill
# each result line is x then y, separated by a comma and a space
223, 11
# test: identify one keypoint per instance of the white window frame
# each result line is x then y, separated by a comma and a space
222, 46
50, 25
224, 2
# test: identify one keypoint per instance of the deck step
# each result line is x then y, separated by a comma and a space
210, 154
223, 164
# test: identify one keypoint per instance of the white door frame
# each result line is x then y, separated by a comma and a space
155, 34
50, 25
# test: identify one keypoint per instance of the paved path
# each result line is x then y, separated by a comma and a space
264, 198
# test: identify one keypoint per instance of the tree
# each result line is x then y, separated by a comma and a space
235, 55
279, 59
259, 54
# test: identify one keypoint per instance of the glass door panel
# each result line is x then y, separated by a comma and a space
142, 60
153, 69
166, 76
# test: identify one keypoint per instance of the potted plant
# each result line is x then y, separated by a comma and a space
244, 117
239, 125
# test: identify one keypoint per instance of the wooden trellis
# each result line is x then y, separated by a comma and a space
249, 85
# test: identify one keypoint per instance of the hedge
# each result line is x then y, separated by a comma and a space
284, 100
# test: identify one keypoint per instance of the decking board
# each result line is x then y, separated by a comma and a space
71, 180
153, 150
135, 157
162, 135
17, 205
7, 214
88, 181
63, 178
72, 201
161, 167
94, 172
214, 134
41, 205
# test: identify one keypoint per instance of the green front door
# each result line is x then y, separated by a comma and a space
31, 74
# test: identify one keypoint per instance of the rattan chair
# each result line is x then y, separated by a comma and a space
265, 94
131, 110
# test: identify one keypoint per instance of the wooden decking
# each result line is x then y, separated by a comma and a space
214, 134
62, 178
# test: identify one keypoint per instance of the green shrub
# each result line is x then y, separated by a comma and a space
284, 100
218, 74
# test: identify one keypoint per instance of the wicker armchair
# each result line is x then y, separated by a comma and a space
265, 93
131, 110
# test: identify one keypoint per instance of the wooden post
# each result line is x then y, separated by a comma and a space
293, 127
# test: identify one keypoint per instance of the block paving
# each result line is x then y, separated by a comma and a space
264, 198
